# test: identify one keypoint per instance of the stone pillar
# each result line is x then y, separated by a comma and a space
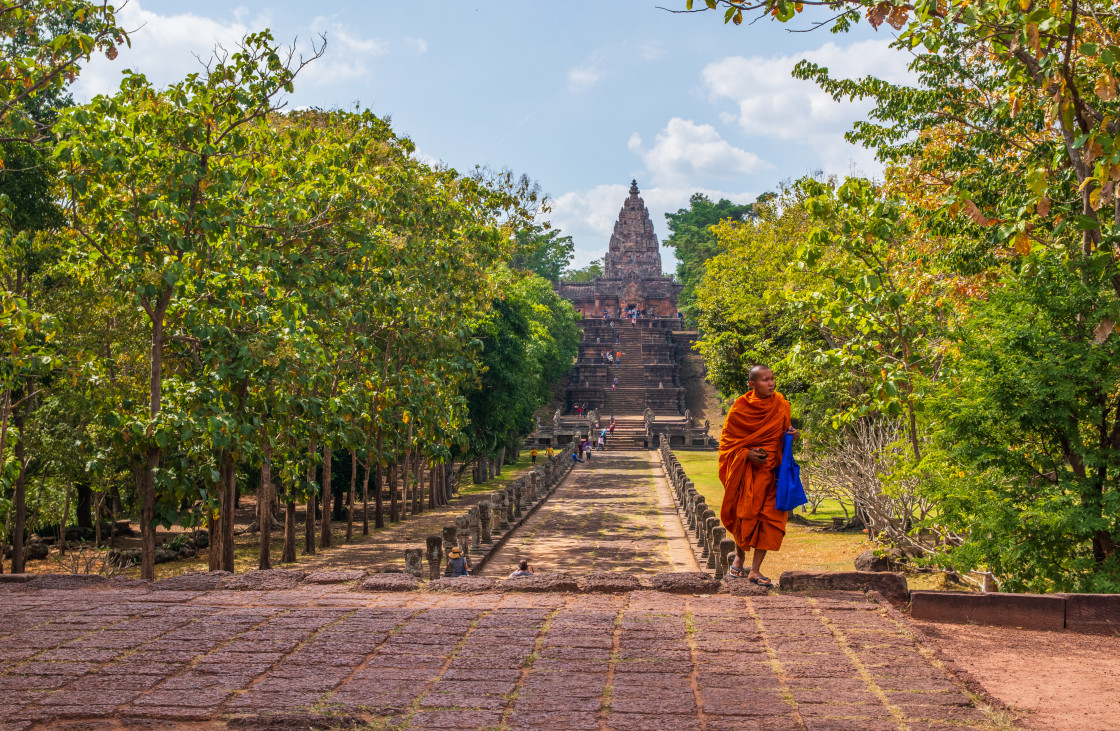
497, 502
511, 507
702, 526
484, 514
518, 498
710, 524
434, 555
476, 534
449, 542
715, 560
535, 483
727, 551
414, 561
463, 533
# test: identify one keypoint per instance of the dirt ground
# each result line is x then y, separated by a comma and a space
1054, 680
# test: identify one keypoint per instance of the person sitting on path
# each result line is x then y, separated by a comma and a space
459, 564
575, 454
749, 452
523, 569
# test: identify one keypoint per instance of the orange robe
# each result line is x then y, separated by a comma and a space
748, 509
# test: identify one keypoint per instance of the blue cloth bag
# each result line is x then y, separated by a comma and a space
790, 492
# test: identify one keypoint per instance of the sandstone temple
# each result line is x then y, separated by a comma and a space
630, 310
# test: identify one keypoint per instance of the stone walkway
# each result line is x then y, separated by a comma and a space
607, 515
325, 655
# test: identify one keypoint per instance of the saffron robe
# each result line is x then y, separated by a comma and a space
749, 490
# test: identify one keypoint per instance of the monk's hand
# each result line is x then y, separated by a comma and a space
794, 432
756, 456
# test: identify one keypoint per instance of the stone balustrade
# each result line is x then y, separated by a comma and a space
481, 529
709, 537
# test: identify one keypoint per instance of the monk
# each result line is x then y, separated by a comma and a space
749, 453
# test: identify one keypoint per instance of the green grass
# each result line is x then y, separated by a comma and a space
510, 472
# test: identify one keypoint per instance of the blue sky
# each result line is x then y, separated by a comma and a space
581, 96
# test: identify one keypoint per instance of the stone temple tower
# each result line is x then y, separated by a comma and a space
633, 248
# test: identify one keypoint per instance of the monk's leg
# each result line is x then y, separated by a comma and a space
756, 563
740, 557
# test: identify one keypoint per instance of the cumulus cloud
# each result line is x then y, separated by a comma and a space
166, 48
588, 216
773, 104
686, 153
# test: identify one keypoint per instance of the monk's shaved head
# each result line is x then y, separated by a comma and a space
756, 371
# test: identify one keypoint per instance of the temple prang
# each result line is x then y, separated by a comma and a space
631, 313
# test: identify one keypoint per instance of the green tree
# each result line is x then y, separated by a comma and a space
694, 242
1030, 422
543, 252
585, 274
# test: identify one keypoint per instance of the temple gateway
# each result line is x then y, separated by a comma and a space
628, 368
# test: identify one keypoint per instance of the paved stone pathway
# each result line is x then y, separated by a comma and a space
327, 655
607, 515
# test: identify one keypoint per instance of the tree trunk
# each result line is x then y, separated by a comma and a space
418, 491
229, 512
309, 522
62, 523
325, 535
365, 495
394, 516
20, 497
289, 553
217, 519
84, 509
378, 499
353, 481
146, 483
264, 511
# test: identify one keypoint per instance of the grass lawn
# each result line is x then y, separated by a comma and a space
806, 548
510, 472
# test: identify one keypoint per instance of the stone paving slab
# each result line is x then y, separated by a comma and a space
608, 515
414, 660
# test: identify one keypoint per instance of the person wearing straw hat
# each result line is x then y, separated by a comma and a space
460, 566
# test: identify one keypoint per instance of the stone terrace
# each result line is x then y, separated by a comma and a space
329, 655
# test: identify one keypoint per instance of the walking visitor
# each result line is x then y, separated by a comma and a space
749, 452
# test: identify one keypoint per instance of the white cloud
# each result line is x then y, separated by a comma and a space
163, 47
651, 51
584, 77
417, 44
771, 103
686, 154
166, 48
588, 216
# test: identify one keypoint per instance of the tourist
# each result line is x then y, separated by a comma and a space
614, 383
618, 358
587, 449
575, 454
533, 455
749, 452
550, 452
459, 564
611, 429
602, 441
523, 569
